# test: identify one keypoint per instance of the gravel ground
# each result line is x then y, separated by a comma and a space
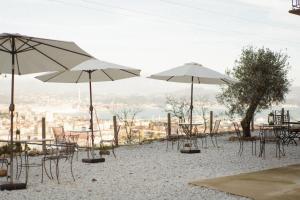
150, 172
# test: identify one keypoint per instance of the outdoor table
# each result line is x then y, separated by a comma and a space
26, 163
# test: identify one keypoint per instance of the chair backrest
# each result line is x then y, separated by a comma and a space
237, 129
59, 134
67, 149
216, 126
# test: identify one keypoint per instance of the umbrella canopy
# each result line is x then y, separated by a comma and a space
193, 73
92, 70
34, 55
21, 54
100, 70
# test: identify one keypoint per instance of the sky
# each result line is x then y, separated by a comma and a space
154, 35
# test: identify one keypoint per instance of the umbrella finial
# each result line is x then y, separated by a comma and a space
194, 63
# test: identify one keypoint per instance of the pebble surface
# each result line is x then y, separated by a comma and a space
150, 172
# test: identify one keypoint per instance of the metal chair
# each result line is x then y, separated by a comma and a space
174, 136
62, 151
203, 135
272, 135
242, 139
61, 137
239, 136
214, 133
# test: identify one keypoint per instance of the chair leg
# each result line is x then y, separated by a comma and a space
42, 171
77, 148
277, 149
264, 150
113, 149
216, 140
255, 147
50, 165
71, 163
212, 141
57, 170
26, 169
167, 145
240, 146
44, 164
17, 172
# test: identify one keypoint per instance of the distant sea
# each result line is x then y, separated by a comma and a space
158, 113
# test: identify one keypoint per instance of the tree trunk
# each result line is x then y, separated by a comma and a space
246, 122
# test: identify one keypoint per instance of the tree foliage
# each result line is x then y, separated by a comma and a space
178, 107
262, 80
127, 116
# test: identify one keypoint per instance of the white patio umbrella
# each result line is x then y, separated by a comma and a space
92, 70
21, 54
193, 73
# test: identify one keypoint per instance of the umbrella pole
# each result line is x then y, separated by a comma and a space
12, 109
191, 108
93, 159
91, 111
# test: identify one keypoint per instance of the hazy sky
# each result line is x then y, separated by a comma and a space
155, 35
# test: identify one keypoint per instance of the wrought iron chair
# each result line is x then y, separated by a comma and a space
203, 135
239, 136
243, 139
62, 151
61, 136
110, 141
174, 136
272, 135
214, 133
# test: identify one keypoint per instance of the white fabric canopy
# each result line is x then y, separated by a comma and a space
101, 71
184, 74
34, 55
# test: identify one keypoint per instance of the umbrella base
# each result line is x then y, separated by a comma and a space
93, 160
12, 186
190, 151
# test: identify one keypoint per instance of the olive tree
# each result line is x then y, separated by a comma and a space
262, 80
